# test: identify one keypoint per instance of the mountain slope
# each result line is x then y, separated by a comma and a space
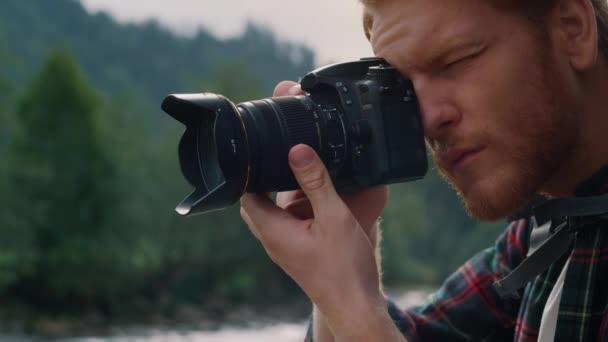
145, 59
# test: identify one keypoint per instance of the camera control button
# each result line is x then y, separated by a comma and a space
331, 116
344, 89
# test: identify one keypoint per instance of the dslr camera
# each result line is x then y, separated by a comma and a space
361, 117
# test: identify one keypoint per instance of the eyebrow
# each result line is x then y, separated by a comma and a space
451, 44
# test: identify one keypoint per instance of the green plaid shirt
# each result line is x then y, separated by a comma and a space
466, 307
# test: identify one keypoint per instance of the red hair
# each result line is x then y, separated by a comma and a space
531, 9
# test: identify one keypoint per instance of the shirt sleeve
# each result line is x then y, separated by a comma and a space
466, 307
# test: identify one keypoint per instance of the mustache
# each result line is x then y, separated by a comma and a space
452, 142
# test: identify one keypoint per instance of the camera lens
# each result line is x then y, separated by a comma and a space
273, 127
228, 150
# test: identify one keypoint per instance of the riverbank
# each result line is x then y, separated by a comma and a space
25, 321
279, 323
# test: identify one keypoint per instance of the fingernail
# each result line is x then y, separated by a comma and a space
301, 156
295, 90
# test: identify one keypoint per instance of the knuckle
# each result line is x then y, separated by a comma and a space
282, 88
282, 199
273, 256
314, 180
271, 243
345, 218
281, 260
345, 215
245, 216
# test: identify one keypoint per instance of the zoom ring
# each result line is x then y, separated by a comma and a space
299, 121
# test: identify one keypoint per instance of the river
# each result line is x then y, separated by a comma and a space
279, 332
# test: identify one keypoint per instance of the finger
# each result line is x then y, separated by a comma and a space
366, 205
249, 222
286, 197
266, 216
300, 208
288, 88
314, 180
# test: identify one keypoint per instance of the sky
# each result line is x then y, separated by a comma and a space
332, 28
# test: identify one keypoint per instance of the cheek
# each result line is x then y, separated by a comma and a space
501, 102
499, 88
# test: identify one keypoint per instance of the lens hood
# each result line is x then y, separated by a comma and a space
213, 152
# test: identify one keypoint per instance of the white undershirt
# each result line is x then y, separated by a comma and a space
548, 322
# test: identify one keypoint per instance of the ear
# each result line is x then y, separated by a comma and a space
368, 22
575, 24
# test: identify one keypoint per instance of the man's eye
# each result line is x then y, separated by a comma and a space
459, 62
465, 61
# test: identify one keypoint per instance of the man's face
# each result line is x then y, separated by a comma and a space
497, 111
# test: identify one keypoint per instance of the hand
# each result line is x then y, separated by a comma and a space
329, 255
365, 205
322, 246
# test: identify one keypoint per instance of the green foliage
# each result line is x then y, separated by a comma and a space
146, 60
6, 117
63, 182
235, 81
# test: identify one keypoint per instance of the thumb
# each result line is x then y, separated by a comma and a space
313, 178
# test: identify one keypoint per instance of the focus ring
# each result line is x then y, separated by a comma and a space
270, 160
299, 121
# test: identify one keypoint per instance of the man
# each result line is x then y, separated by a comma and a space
514, 100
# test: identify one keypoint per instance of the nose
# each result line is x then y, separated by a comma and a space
438, 110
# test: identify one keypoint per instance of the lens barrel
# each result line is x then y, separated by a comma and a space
229, 149
273, 127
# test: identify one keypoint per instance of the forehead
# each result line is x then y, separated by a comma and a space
412, 24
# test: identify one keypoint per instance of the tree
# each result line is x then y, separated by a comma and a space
65, 184
5, 110
235, 81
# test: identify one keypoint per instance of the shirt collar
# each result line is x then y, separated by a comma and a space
595, 185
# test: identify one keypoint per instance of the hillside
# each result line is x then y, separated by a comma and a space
146, 60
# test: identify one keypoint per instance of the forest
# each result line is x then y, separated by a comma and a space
89, 174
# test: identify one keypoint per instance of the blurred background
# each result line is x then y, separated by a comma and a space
90, 247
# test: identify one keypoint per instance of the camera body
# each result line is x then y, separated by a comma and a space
361, 118
374, 132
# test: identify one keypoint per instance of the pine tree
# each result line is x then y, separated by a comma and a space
64, 181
